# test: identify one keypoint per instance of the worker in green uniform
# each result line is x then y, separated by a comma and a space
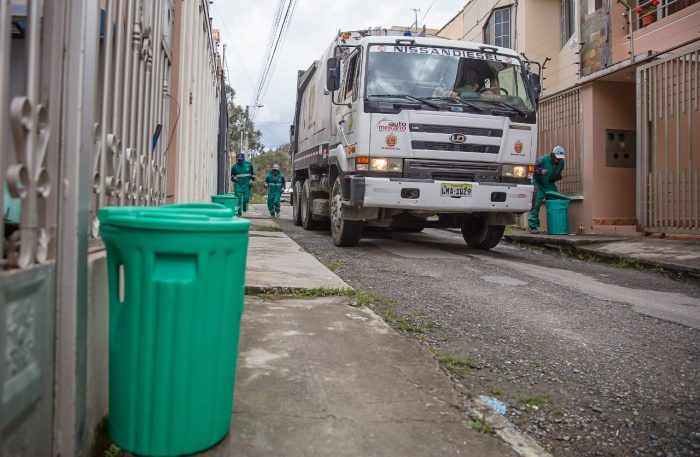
274, 183
547, 172
242, 175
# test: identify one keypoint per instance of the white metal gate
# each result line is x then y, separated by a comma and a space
668, 143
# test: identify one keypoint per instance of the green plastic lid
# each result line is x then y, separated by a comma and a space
224, 197
209, 209
169, 220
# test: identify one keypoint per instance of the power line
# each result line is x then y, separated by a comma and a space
278, 33
269, 130
231, 42
426, 12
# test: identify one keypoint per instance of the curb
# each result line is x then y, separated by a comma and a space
586, 247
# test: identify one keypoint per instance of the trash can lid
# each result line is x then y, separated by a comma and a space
210, 209
224, 196
170, 220
556, 196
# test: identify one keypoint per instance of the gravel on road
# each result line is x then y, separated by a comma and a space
589, 358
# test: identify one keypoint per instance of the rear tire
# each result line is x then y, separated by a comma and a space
307, 218
296, 203
479, 234
345, 233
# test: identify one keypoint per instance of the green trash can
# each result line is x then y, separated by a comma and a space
228, 200
176, 297
557, 213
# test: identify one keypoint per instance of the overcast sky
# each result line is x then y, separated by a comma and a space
245, 26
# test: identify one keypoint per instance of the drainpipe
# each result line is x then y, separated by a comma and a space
629, 27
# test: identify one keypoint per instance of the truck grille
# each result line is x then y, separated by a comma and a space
450, 170
455, 147
430, 128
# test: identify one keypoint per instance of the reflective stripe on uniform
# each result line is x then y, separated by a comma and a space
243, 175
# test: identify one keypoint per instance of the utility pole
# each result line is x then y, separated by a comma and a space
416, 10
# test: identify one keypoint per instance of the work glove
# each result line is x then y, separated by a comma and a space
555, 178
266, 185
544, 172
252, 178
234, 178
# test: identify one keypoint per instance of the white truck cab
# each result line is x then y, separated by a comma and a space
413, 132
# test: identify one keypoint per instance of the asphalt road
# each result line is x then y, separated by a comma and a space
590, 359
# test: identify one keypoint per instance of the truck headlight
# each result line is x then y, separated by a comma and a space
386, 164
514, 171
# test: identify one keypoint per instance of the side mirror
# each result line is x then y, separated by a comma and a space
535, 84
291, 132
333, 74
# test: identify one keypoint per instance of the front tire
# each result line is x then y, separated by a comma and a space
479, 234
296, 203
345, 233
307, 218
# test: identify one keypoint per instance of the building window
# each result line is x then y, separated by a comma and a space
497, 30
567, 21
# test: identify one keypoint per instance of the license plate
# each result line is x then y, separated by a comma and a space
455, 190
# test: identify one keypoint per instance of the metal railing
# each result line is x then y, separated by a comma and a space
668, 156
649, 11
559, 123
134, 101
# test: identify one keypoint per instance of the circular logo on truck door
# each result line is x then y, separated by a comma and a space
518, 147
391, 140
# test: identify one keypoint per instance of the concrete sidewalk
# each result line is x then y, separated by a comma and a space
319, 377
671, 254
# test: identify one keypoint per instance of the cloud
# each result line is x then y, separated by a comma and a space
245, 26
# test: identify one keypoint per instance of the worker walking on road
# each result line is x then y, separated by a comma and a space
547, 172
274, 183
242, 175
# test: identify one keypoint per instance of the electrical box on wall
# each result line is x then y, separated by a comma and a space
620, 148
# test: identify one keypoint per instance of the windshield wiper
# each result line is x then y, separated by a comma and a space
457, 100
506, 105
410, 97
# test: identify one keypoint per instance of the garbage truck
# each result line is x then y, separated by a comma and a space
408, 132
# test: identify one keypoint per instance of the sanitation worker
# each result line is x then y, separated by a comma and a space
274, 183
547, 172
242, 175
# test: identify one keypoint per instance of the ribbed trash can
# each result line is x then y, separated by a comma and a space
557, 213
228, 200
176, 278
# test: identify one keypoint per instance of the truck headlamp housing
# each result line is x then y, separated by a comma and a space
362, 163
386, 164
514, 171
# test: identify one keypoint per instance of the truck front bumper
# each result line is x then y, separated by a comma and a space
414, 194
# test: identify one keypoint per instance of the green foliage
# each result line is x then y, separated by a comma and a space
239, 123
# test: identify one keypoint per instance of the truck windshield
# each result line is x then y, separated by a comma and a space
447, 74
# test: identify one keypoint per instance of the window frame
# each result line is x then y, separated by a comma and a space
489, 29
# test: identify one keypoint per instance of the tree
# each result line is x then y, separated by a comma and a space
240, 123
263, 164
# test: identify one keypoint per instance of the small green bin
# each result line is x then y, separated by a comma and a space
557, 213
228, 200
176, 278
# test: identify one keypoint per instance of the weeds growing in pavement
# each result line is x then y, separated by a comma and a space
478, 422
282, 293
333, 266
265, 228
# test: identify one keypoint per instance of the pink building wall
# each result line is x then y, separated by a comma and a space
674, 30
614, 189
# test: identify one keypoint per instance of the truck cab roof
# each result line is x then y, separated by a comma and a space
431, 41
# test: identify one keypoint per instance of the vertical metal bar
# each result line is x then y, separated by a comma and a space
107, 94
5, 39
126, 99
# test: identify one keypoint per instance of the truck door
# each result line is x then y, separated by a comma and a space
345, 116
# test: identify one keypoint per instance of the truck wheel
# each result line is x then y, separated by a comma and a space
296, 203
478, 234
345, 233
307, 218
